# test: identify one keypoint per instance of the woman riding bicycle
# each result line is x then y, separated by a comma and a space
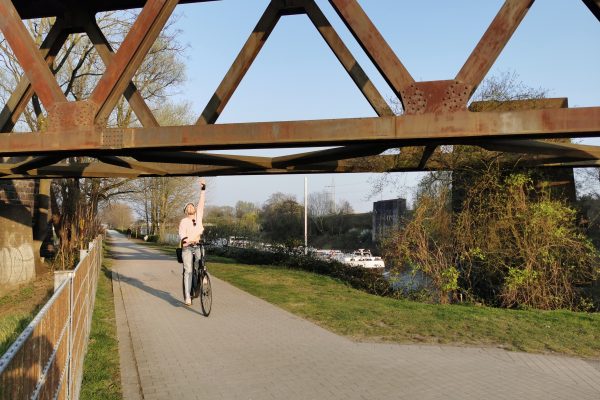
190, 232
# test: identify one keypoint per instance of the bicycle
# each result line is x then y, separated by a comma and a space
200, 283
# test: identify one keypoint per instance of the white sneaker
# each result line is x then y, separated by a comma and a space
188, 302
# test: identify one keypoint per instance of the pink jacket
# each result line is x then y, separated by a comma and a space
186, 226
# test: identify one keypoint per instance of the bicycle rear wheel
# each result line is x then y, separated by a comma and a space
205, 294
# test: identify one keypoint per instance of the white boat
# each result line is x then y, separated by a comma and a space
362, 258
328, 254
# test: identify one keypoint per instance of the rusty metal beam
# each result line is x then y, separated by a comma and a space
255, 162
403, 162
574, 164
100, 170
347, 60
242, 63
435, 110
35, 163
546, 148
130, 55
132, 164
453, 128
370, 39
427, 153
492, 42
35, 67
133, 96
338, 153
558, 149
19, 98
184, 157
43, 8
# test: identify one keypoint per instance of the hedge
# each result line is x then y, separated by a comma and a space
368, 280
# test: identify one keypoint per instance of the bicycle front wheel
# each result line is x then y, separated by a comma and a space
205, 294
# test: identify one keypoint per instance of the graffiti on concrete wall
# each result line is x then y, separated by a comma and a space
17, 263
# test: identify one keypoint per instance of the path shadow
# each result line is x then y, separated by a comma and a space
136, 252
133, 251
161, 294
32, 357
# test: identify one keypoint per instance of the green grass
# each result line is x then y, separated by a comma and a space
11, 327
101, 372
19, 306
362, 316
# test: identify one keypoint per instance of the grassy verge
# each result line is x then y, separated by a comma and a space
19, 306
362, 316
101, 373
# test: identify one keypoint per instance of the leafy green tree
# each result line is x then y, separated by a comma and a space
281, 219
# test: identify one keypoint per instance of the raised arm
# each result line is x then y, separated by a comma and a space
200, 208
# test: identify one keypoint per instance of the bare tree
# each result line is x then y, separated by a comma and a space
507, 86
118, 215
160, 201
78, 67
319, 206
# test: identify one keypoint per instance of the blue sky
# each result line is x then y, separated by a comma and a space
297, 77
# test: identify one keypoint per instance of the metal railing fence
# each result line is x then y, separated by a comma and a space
46, 360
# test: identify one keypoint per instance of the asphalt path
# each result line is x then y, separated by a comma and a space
250, 349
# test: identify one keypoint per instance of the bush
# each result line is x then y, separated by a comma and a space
510, 244
152, 238
359, 278
530, 243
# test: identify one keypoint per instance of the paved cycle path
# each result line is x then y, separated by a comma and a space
250, 349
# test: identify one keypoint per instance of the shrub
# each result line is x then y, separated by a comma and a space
152, 238
510, 245
531, 244
359, 278
425, 244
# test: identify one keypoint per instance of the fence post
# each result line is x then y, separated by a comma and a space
60, 277
70, 354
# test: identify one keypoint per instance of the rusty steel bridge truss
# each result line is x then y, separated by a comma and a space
435, 113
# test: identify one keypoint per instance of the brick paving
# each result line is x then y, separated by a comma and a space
250, 349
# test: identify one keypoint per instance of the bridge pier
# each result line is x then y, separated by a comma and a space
18, 253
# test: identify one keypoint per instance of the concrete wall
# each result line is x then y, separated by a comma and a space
17, 251
387, 214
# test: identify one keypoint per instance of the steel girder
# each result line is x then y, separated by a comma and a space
435, 113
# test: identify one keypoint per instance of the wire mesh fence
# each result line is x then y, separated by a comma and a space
46, 360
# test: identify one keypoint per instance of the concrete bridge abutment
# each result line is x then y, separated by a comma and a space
19, 252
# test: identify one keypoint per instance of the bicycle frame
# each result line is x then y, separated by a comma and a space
200, 285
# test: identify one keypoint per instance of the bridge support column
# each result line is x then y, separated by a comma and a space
18, 254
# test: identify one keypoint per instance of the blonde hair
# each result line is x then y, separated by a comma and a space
186, 206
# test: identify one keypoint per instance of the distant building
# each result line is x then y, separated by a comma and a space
386, 215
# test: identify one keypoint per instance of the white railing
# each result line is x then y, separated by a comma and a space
46, 360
